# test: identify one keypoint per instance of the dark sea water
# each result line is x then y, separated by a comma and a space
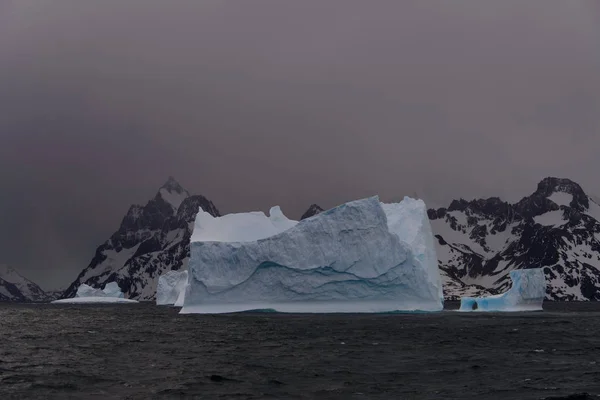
148, 352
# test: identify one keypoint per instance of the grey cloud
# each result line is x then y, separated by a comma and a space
268, 102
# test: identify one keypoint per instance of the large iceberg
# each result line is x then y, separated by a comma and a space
171, 288
87, 294
362, 256
526, 294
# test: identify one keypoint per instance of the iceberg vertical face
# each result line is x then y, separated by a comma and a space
171, 286
347, 259
526, 294
409, 221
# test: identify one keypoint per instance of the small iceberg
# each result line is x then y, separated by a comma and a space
87, 294
526, 294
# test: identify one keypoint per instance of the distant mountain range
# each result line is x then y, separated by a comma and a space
479, 242
15, 287
555, 228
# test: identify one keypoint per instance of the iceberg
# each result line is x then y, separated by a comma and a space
171, 288
362, 256
112, 289
526, 294
88, 291
87, 294
239, 227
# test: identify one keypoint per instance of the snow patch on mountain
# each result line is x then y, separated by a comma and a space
561, 198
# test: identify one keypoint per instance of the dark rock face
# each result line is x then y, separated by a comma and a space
555, 228
152, 239
313, 210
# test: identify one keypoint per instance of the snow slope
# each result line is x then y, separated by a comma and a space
15, 287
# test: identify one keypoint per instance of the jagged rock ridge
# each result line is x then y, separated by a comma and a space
556, 228
152, 239
313, 210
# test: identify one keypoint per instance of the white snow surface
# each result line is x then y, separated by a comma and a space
550, 218
240, 227
362, 256
171, 286
174, 198
526, 294
561, 198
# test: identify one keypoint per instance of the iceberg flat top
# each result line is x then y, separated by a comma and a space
93, 299
347, 259
240, 227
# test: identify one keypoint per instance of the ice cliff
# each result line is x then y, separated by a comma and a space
526, 294
171, 288
362, 256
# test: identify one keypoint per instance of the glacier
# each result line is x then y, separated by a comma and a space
87, 294
171, 288
362, 256
526, 294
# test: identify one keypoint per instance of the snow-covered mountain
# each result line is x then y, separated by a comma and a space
314, 209
557, 227
151, 240
478, 242
15, 287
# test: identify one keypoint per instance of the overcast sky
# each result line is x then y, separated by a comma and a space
256, 103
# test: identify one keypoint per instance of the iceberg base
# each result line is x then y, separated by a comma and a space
310, 307
93, 300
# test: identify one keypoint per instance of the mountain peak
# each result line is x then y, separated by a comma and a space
15, 287
7, 271
553, 185
314, 209
172, 186
550, 187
